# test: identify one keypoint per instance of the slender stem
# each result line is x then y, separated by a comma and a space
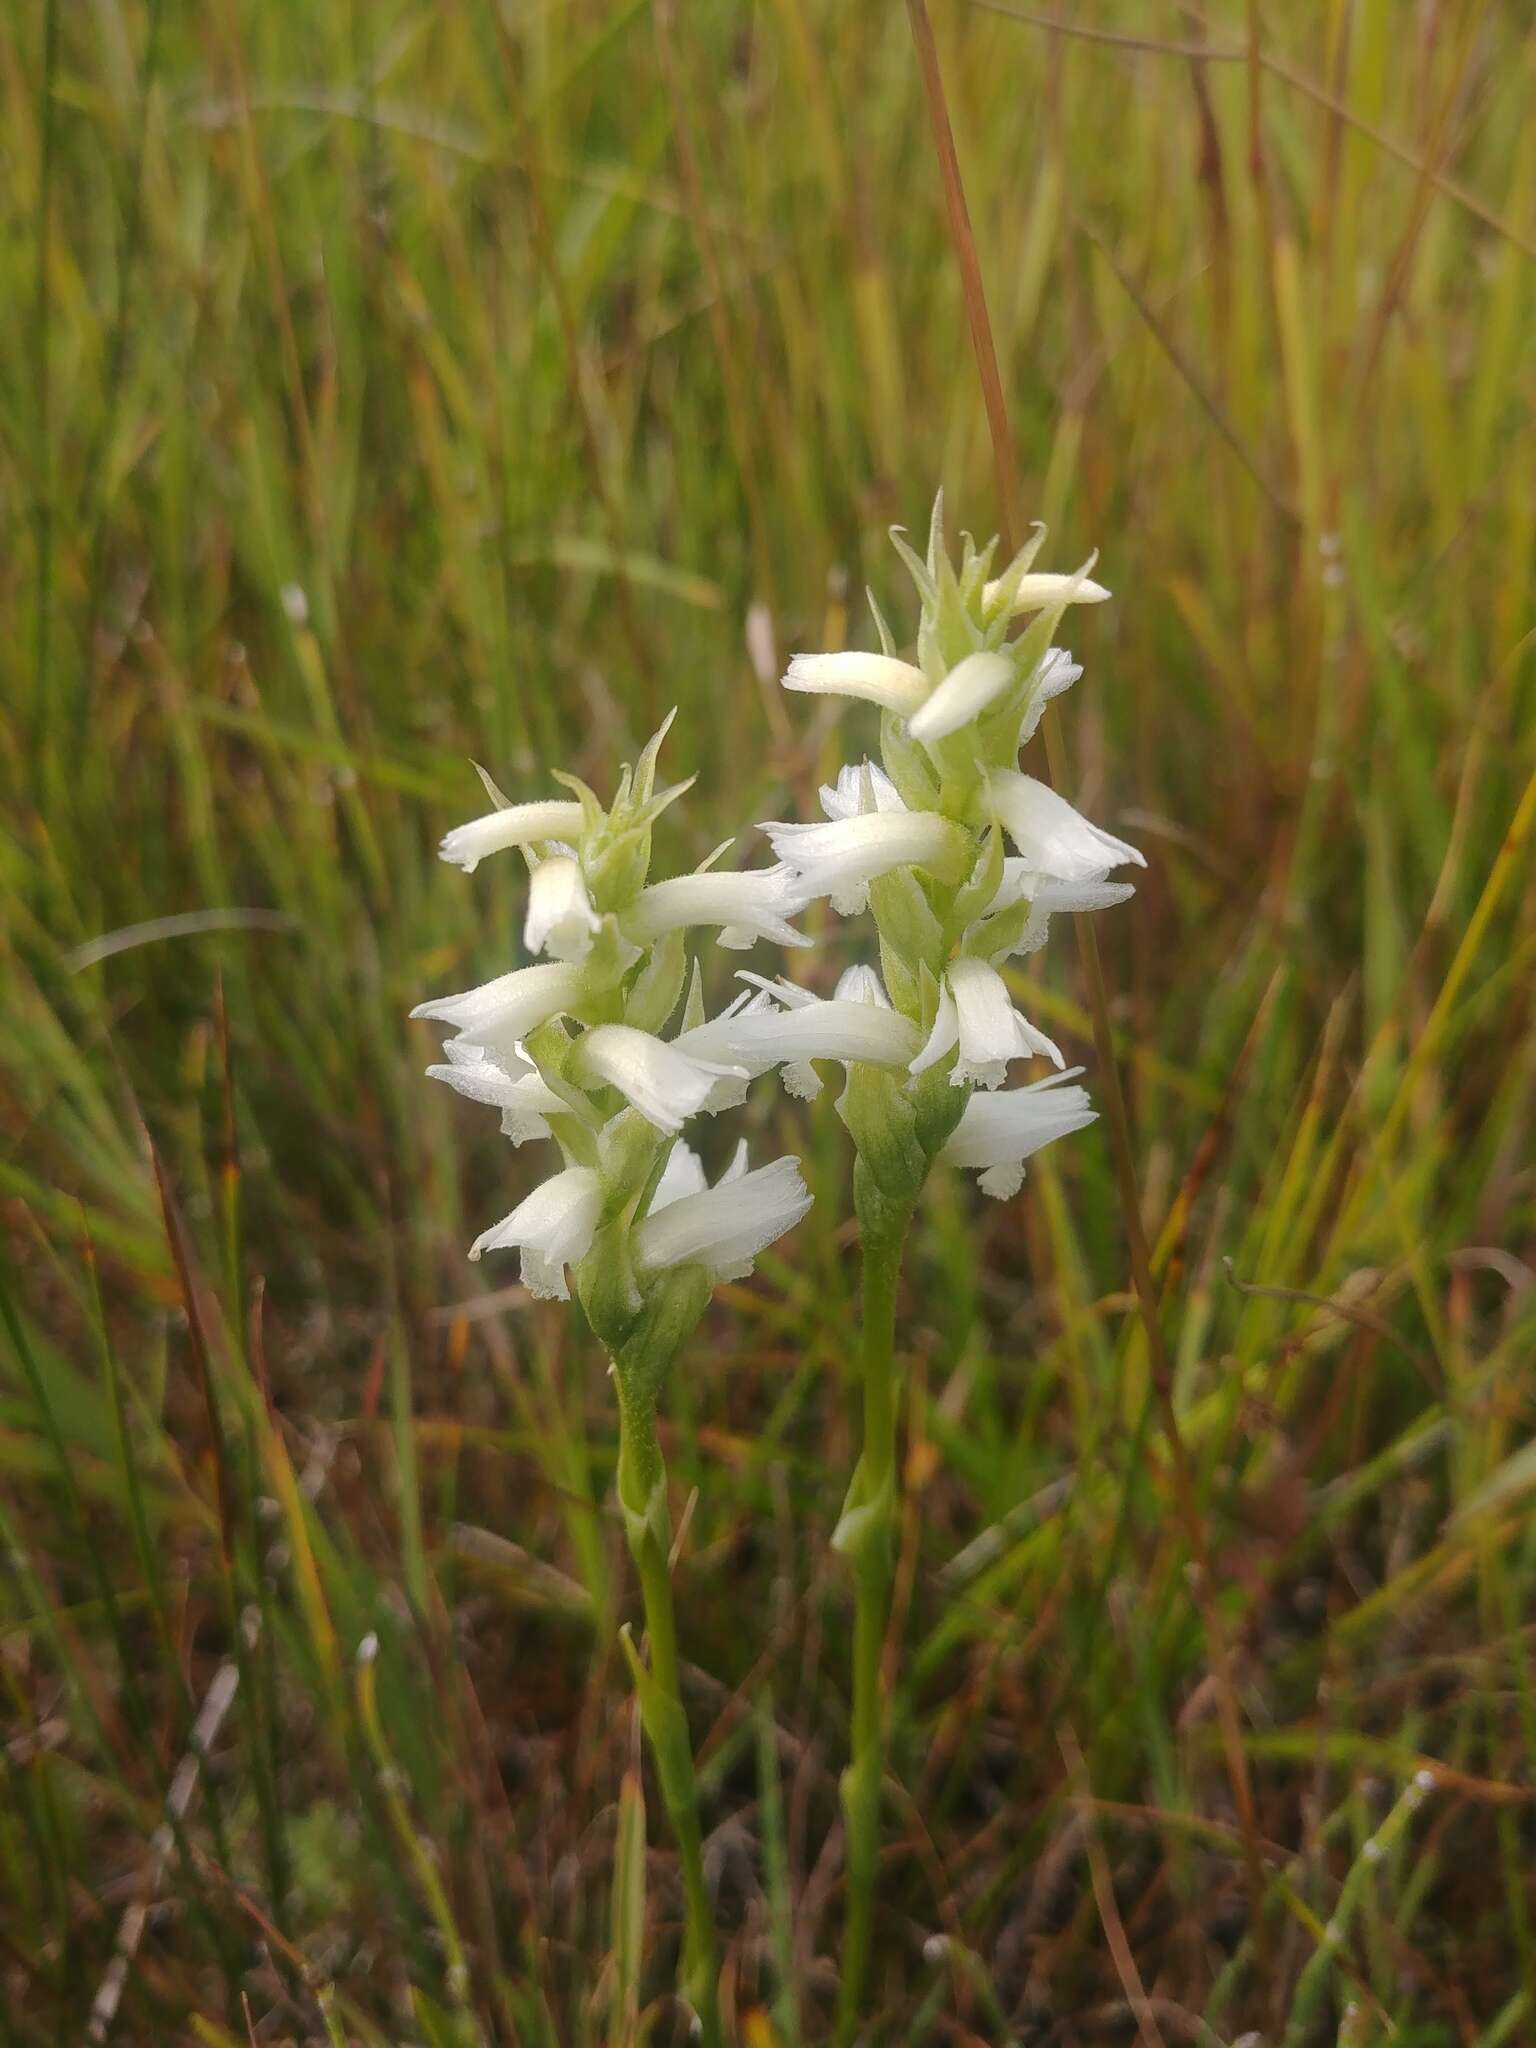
642, 1488
867, 1537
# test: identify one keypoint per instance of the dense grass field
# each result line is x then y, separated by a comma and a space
385, 386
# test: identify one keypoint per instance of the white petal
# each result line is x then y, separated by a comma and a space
725, 1227
944, 1035
512, 1085
1035, 592
560, 920
1052, 836
997, 1133
861, 985
841, 858
682, 1175
748, 907
665, 1085
1056, 673
991, 1031
847, 1031
518, 825
877, 678
855, 784
554, 1225
511, 1006
970, 686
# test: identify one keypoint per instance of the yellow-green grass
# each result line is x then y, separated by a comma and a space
385, 386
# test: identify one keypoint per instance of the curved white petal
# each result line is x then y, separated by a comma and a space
554, 1226
665, 1085
856, 783
682, 1175
1056, 673
1036, 591
944, 1036
971, 685
861, 984
747, 907
997, 1133
518, 825
877, 678
976, 1014
817, 1030
508, 1008
1052, 836
726, 1226
560, 920
511, 1084
841, 858
991, 1031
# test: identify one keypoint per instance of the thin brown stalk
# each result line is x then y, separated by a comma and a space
1116, 1120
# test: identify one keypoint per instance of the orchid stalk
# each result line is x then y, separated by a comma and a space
922, 839
570, 1049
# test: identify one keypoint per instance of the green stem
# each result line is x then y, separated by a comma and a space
642, 1488
866, 1535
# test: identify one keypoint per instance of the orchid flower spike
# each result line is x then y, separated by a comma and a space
961, 858
574, 1048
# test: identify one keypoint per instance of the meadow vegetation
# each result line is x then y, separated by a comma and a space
389, 386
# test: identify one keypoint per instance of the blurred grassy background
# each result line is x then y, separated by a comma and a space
384, 385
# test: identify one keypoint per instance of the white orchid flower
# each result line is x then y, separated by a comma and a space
860, 786
560, 920
665, 1084
502, 1011
997, 1133
748, 907
510, 1083
877, 678
1050, 834
1056, 673
970, 686
516, 825
976, 1014
841, 858
796, 1027
723, 1227
554, 1226
1035, 592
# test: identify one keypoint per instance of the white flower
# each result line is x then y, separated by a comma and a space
726, 1226
841, 858
1037, 591
666, 1086
859, 984
860, 786
877, 678
511, 1083
561, 920
1050, 834
1045, 894
501, 1011
1057, 672
997, 1133
976, 1013
684, 1174
554, 1225
970, 686
857, 1024
748, 907
518, 825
